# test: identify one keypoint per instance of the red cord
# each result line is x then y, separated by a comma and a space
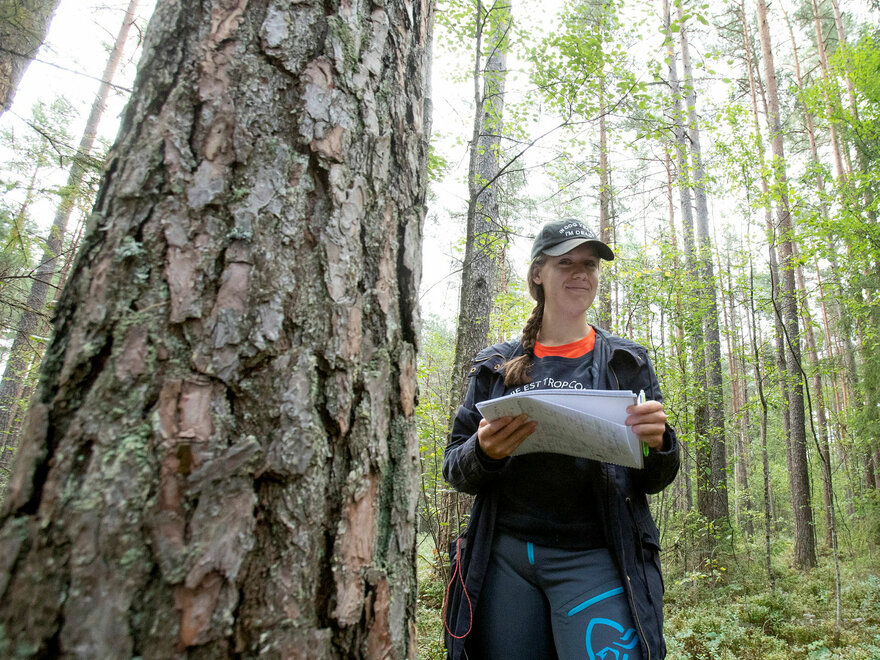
458, 572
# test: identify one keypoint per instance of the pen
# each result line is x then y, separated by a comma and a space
641, 400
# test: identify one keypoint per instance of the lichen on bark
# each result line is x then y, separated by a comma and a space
221, 457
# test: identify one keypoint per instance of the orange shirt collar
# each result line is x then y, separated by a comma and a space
573, 350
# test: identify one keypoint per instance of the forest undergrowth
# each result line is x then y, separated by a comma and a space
728, 611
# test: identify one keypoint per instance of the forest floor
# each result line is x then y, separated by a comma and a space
729, 612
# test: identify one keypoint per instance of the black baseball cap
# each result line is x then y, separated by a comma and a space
560, 236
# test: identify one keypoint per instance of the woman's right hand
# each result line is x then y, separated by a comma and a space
500, 437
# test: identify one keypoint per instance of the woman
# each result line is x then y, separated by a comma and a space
560, 558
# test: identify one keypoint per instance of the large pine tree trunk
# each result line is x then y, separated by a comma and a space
22, 352
786, 304
220, 458
23, 27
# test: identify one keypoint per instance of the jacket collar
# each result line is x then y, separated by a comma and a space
612, 349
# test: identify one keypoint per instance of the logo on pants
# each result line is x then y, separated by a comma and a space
617, 650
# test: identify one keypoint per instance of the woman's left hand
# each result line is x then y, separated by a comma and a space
648, 422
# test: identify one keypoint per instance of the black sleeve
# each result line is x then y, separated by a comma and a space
465, 466
661, 465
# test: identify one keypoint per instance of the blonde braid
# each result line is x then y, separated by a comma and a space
516, 371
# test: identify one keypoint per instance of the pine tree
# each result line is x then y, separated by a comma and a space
220, 458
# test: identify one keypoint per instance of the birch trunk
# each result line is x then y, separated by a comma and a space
605, 315
679, 344
220, 459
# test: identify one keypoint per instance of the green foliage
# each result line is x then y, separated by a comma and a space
583, 67
511, 311
437, 164
432, 423
37, 156
740, 618
429, 605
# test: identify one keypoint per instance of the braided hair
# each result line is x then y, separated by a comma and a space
516, 370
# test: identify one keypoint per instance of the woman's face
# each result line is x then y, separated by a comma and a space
570, 281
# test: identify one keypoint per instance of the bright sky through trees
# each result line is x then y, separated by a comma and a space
70, 63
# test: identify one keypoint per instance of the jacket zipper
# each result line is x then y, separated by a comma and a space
632, 600
629, 588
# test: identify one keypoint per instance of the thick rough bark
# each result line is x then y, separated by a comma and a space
23, 28
220, 459
33, 319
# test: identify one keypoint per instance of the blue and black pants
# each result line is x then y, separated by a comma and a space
541, 603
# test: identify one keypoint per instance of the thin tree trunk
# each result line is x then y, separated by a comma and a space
22, 351
680, 343
756, 87
824, 449
605, 318
818, 399
714, 503
765, 459
699, 401
786, 303
24, 25
836, 150
811, 342
484, 233
484, 236
839, 385
739, 396
220, 459
867, 192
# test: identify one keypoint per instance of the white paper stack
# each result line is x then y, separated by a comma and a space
584, 423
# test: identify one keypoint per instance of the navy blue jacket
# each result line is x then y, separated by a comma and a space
619, 493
